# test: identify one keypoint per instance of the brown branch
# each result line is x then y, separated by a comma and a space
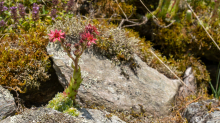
137, 24
121, 10
131, 21
188, 104
113, 15
122, 21
213, 109
65, 49
163, 26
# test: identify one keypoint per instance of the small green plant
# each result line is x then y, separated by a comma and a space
87, 37
64, 104
216, 91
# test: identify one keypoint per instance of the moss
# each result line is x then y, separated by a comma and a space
109, 7
188, 42
3, 118
23, 59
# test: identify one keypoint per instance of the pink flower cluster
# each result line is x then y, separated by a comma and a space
91, 29
87, 38
88, 35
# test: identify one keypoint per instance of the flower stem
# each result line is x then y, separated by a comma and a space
65, 49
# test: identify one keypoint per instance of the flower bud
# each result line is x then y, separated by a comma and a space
21, 10
55, 2
14, 13
35, 12
67, 44
76, 46
2, 23
70, 5
76, 52
53, 14
189, 15
2, 7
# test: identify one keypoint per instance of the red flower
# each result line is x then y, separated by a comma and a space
91, 29
90, 39
87, 37
56, 35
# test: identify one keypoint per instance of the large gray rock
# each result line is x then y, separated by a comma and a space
45, 115
107, 85
198, 112
7, 103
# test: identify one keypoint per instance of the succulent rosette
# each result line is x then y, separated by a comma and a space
56, 35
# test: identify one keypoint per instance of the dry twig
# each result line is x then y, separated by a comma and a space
163, 26
189, 103
213, 109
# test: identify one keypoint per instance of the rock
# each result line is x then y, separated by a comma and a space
7, 103
99, 116
190, 80
117, 87
46, 115
198, 112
